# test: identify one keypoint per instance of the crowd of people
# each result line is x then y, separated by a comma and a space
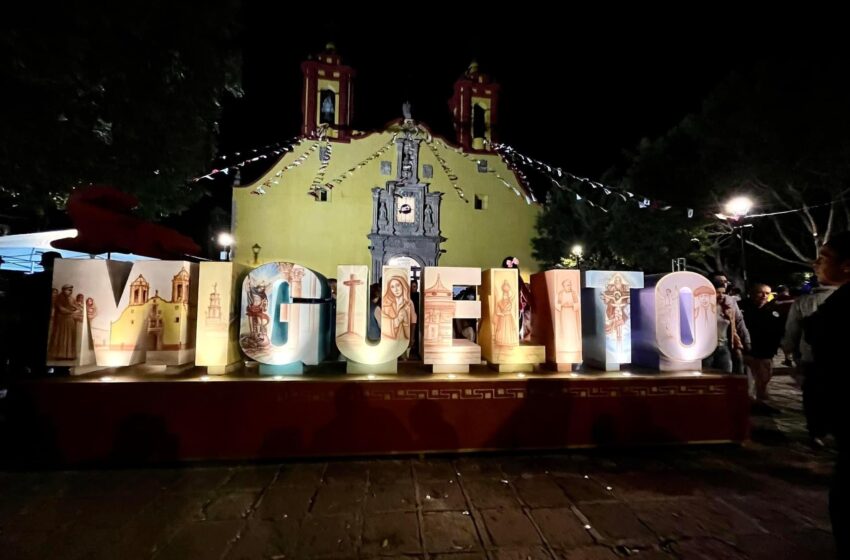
809, 330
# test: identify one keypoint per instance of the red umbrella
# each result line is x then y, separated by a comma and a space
102, 216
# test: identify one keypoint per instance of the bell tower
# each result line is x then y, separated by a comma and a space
326, 97
474, 107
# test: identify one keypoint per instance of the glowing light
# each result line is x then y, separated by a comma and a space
452, 376
225, 239
278, 377
587, 527
520, 375
205, 378
626, 374
106, 379
370, 376
738, 206
577, 250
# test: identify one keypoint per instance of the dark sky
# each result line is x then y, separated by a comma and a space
577, 88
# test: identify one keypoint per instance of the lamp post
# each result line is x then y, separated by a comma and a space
577, 251
256, 250
225, 240
735, 210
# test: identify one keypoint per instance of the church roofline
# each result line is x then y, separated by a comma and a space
397, 123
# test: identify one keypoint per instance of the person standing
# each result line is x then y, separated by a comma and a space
826, 331
740, 335
721, 358
794, 344
766, 327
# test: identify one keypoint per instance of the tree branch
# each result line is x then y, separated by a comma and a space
799, 254
829, 223
777, 255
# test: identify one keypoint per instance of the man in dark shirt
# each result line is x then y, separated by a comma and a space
826, 331
766, 326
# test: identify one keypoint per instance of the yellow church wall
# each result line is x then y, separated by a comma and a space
482, 238
290, 225
174, 333
131, 328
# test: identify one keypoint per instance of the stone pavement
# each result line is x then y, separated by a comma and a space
764, 500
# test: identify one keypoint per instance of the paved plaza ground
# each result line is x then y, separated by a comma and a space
767, 499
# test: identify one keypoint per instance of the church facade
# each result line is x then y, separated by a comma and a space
400, 195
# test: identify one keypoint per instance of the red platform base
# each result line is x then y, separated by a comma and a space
133, 419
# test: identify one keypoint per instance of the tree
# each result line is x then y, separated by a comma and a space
563, 223
614, 233
776, 131
122, 93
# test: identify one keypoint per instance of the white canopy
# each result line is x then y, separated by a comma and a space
22, 252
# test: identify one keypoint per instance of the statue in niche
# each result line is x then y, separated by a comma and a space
382, 216
429, 218
408, 158
405, 110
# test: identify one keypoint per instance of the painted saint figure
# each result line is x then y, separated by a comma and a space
569, 330
505, 328
705, 308
667, 313
397, 313
616, 298
62, 344
91, 309
257, 312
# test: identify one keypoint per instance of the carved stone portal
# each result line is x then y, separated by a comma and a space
405, 215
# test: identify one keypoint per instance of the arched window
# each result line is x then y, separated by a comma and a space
479, 124
327, 107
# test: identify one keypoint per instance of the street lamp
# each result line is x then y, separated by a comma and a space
577, 251
226, 242
736, 209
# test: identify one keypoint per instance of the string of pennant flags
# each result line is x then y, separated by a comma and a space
642, 201
261, 189
448, 171
474, 161
556, 174
514, 159
360, 165
258, 154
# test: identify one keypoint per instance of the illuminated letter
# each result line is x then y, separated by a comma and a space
126, 313
499, 333
397, 315
557, 316
445, 353
607, 317
676, 322
278, 331
217, 340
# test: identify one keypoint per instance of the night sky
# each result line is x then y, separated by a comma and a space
577, 89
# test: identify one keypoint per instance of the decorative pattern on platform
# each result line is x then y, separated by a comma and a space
653, 391
377, 393
476, 394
